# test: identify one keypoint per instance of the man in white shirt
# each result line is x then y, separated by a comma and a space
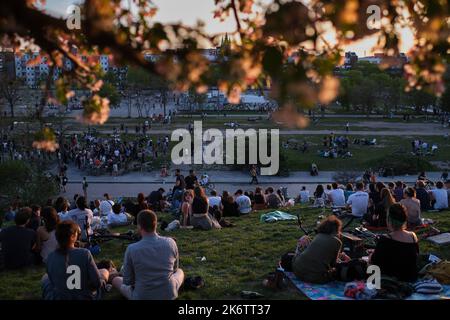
82, 216
336, 196
244, 202
359, 201
214, 200
106, 206
116, 217
440, 196
304, 195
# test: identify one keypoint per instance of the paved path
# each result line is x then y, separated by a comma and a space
131, 184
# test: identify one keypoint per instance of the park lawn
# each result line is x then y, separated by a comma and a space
237, 258
363, 156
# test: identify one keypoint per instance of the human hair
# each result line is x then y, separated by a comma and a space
161, 190
81, 203
380, 186
230, 199
439, 185
399, 184
330, 225
372, 188
239, 191
59, 202
303, 188
116, 208
140, 197
200, 193
64, 231
213, 193
334, 185
387, 198
319, 191
22, 216
391, 185
191, 171
328, 186
410, 192
147, 220
106, 195
420, 184
349, 187
359, 185
397, 216
258, 190
35, 207
225, 195
269, 189
187, 193
50, 217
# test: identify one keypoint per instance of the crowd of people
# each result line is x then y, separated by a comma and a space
49, 235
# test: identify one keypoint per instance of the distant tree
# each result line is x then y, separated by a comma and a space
9, 91
445, 99
109, 91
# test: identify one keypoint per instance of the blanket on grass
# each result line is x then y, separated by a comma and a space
335, 290
276, 216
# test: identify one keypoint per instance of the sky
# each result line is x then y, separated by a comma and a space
188, 12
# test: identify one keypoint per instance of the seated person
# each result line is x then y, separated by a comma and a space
214, 200
82, 216
150, 269
320, 196
304, 195
106, 205
259, 200
244, 203
46, 239
229, 207
35, 220
439, 196
423, 196
18, 242
336, 196
55, 282
359, 201
272, 199
156, 199
117, 217
412, 206
315, 264
396, 253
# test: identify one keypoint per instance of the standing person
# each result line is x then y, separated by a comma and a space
191, 180
444, 175
84, 186
150, 270
64, 181
35, 219
18, 242
347, 127
54, 282
254, 174
186, 207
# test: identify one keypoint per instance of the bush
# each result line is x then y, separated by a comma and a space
29, 183
401, 164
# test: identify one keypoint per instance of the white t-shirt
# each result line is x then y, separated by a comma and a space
214, 201
79, 216
116, 218
63, 215
359, 202
337, 197
105, 207
441, 198
304, 196
244, 203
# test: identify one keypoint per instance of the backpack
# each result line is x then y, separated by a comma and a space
353, 270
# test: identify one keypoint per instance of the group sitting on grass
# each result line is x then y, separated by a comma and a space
51, 235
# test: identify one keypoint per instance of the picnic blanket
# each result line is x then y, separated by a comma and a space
277, 216
335, 290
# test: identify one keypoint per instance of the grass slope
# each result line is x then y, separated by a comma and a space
237, 258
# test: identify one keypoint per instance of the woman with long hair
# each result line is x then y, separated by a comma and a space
186, 207
396, 253
65, 261
260, 200
46, 239
319, 196
201, 219
378, 218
